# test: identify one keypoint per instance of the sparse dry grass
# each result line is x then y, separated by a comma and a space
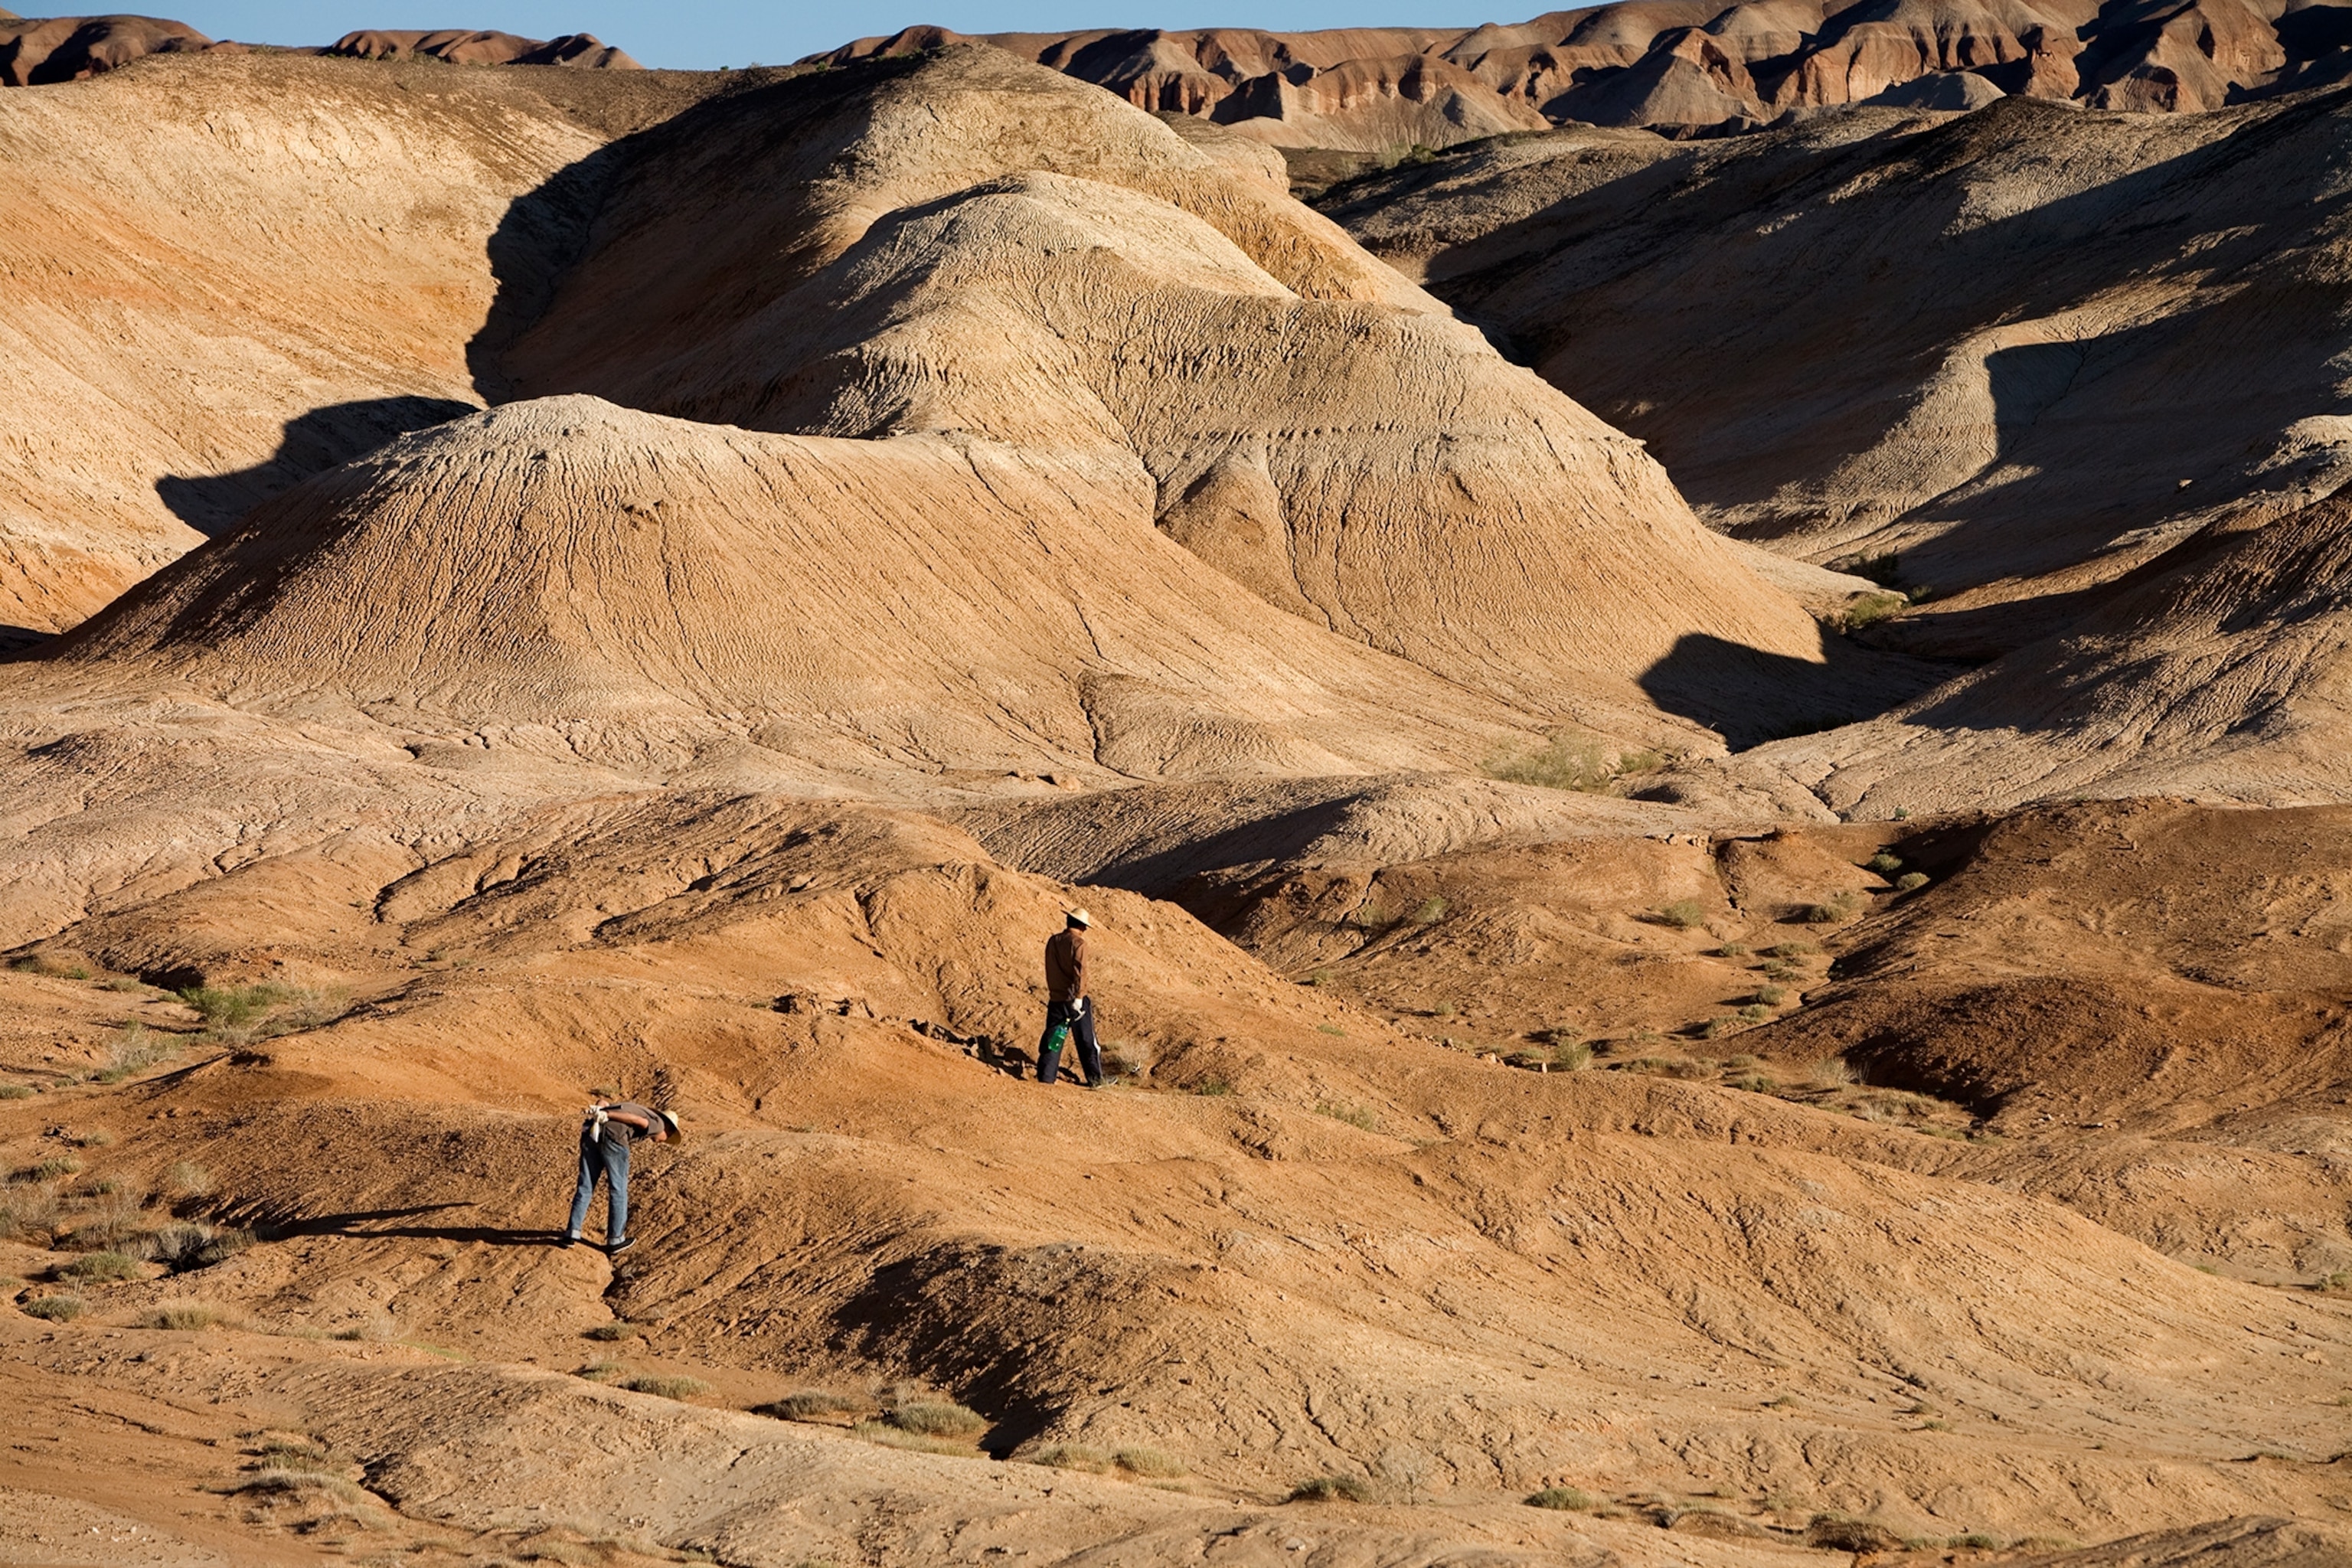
1565, 1500
136, 1048
55, 1308
895, 1437
668, 1386
1148, 1462
1683, 914
1353, 1115
239, 1014
1569, 762
101, 1268
1833, 911
186, 1179
937, 1418
1331, 1489
812, 1404
1071, 1457
187, 1316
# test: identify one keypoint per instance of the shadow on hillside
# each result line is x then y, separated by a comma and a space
369, 1223
1750, 696
310, 444
587, 206
18, 640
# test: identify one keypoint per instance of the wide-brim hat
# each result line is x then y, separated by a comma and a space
669, 1120
1080, 917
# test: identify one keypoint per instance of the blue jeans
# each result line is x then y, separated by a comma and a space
609, 1157
1081, 1022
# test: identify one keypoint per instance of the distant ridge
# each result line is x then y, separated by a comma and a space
39, 51
1683, 65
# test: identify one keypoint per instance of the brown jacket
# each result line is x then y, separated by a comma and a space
1065, 964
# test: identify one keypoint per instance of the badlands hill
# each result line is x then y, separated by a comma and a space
694, 570
1679, 67
2061, 341
2076, 396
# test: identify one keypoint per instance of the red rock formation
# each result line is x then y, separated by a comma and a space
68, 48
464, 49
1688, 65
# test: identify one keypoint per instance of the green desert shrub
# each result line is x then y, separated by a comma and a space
16, 1091
1353, 1115
1884, 863
1430, 911
668, 1387
1911, 881
236, 1014
608, 1332
1838, 907
1565, 1499
55, 1308
101, 1268
1682, 914
1869, 609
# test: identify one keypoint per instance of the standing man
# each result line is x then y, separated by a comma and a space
606, 1136
1068, 1011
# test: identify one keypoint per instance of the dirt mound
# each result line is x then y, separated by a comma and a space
1941, 398
459, 47
72, 49
671, 585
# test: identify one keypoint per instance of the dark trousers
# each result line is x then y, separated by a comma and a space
607, 1157
1080, 1017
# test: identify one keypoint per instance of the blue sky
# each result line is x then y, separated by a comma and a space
702, 33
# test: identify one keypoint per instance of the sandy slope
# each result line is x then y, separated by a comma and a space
227, 272
1472, 1281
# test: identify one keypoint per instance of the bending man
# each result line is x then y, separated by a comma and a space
1068, 1011
604, 1138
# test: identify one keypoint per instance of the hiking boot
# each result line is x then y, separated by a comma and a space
573, 1238
614, 1249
